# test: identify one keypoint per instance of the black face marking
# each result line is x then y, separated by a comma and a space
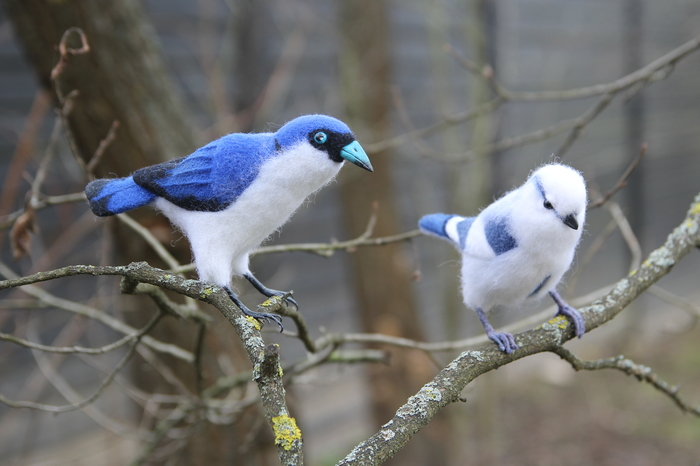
332, 144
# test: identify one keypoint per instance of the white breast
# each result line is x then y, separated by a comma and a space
221, 241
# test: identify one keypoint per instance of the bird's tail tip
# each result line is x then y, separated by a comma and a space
434, 224
114, 196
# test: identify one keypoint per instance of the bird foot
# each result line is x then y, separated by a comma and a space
504, 340
576, 318
568, 311
260, 316
287, 296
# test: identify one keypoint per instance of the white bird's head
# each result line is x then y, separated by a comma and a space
561, 194
326, 134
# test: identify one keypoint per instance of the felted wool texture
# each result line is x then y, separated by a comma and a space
231, 194
110, 197
516, 248
221, 241
212, 177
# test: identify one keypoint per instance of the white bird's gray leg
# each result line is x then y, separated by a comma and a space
570, 312
257, 315
267, 291
504, 340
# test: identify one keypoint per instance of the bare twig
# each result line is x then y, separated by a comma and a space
627, 234
135, 339
622, 182
151, 240
99, 153
81, 309
629, 367
583, 121
42, 202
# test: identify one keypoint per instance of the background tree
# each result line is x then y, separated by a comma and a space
178, 389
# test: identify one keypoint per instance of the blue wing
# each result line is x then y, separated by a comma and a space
498, 236
212, 177
437, 225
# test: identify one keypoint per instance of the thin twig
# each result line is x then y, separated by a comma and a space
629, 367
151, 240
135, 340
628, 235
42, 202
622, 182
14, 280
583, 121
99, 153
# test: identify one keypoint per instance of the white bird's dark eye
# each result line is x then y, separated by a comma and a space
320, 137
548, 205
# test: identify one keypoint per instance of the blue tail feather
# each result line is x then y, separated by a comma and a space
110, 197
434, 224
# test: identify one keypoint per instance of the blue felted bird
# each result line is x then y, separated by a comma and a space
519, 247
231, 194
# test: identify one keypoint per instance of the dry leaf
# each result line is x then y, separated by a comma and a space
19, 235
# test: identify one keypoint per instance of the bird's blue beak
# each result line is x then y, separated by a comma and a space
354, 153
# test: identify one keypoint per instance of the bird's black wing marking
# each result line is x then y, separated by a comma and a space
186, 182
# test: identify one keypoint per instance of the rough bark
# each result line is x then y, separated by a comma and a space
122, 78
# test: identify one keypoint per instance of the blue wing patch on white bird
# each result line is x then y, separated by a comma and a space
498, 236
450, 227
463, 228
540, 286
212, 177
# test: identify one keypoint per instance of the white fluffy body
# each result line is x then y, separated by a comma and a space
279, 189
545, 245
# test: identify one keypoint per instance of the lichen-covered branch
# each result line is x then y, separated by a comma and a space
629, 367
446, 387
248, 330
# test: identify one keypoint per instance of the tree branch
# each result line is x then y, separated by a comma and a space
446, 387
629, 367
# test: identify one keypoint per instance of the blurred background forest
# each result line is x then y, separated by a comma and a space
178, 74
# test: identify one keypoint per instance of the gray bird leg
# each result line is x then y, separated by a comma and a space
256, 315
267, 291
505, 341
568, 311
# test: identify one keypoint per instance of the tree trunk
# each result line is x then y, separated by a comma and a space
381, 276
122, 78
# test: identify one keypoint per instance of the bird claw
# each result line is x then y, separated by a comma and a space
264, 316
287, 297
504, 340
575, 316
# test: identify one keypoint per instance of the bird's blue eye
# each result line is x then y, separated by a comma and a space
320, 137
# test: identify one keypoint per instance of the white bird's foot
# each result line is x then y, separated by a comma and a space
267, 317
568, 311
269, 292
504, 340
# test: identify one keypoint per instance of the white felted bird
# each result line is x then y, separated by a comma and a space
231, 194
519, 247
